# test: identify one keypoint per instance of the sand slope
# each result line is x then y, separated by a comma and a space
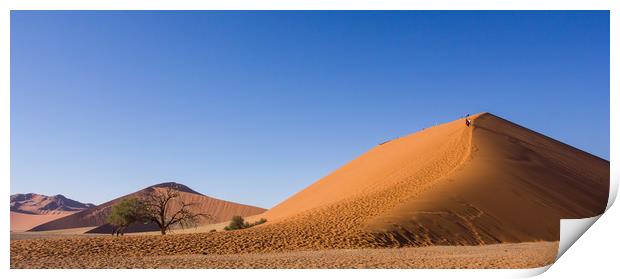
96, 217
22, 222
423, 156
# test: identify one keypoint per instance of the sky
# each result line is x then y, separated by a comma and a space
253, 106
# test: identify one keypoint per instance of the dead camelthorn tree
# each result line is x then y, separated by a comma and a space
165, 208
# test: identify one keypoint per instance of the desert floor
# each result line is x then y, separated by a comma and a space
81, 232
78, 232
520, 255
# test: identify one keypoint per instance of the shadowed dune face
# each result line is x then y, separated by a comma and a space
21, 222
220, 211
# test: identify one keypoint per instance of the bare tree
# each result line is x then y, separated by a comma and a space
158, 208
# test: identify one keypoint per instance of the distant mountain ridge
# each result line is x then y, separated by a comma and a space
32, 203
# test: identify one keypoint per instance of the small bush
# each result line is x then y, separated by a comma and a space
237, 223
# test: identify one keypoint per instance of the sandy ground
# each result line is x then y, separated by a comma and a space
198, 229
81, 232
522, 255
78, 232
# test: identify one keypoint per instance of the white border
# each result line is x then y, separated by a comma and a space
590, 260
309, 5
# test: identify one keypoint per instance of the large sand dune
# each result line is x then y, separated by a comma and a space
451, 184
219, 210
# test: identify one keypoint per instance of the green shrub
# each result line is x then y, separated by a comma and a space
237, 223
125, 213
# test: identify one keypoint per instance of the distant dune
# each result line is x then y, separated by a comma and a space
30, 210
32, 203
96, 217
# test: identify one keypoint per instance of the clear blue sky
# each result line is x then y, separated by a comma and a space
254, 106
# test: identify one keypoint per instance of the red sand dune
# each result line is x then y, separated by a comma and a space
220, 211
41, 204
451, 184
30, 210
